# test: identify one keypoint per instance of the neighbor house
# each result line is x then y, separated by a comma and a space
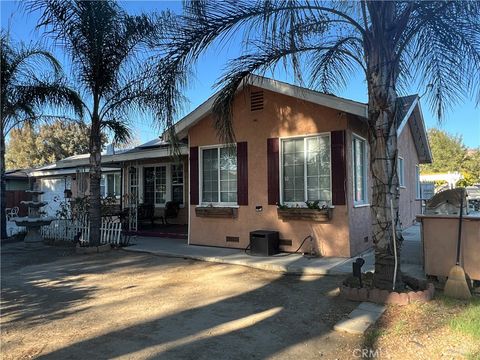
69, 178
293, 145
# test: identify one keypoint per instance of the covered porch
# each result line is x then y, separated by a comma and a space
153, 189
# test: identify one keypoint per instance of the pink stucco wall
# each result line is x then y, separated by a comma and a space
409, 206
349, 231
282, 116
359, 216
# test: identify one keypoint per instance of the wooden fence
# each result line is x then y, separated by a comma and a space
65, 229
14, 197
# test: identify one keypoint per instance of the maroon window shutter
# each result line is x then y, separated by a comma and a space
273, 153
194, 175
242, 173
339, 175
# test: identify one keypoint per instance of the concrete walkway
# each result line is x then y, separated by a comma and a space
292, 264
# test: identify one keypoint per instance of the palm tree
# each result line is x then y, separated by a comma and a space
393, 43
105, 46
31, 79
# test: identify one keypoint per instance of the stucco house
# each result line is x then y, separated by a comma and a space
293, 145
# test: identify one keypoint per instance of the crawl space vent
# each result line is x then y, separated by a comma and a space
232, 239
285, 242
256, 100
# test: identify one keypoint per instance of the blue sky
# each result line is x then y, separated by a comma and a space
463, 119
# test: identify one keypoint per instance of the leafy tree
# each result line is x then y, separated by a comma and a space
451, 155
36, 146
394, 43
448, 152
105, 46
31, 78
471, 168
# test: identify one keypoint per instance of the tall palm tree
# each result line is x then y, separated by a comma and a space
105, 46
393, 43
31, 78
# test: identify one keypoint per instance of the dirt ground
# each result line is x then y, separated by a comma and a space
120, 305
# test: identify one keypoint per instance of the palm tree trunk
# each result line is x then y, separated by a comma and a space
383, 163
95, 215
3, 191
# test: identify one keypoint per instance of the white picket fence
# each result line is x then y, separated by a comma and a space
61, 229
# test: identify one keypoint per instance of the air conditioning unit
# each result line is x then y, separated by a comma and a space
263, 242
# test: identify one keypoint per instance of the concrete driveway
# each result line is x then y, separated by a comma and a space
120, 305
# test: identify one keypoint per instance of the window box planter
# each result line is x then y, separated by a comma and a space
316, 215
216, 212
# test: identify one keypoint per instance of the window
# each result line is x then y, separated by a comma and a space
417, 182
110, 185
401, 172
154, 185
306, 169
177, 183
359, 156
219, 175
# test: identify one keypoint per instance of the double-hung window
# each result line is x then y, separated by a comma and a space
359, 160
219, 175
177, 182
155, 185
306, 169
401, 172
110, 185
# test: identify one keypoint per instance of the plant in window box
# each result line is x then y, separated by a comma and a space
313, 211
215, 212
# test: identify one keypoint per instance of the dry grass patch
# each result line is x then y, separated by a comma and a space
442, 328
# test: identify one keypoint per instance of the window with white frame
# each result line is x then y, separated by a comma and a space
401, 172
417, 182
155, 185
219, 175
360, 174
177, 182
110, 185
306, 169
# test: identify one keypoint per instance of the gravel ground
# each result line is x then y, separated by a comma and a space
119, 305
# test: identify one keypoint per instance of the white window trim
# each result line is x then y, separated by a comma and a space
105, 187
168, 195
418, 184
200, 178
401, 174
281, 139
365, 202
182, 205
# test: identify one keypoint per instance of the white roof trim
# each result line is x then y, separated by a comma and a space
420, 123
106, 160
349, 106
407, 116
73, 170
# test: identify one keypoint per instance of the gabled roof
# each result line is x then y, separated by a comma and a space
408, 105
413, 116
331, 101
